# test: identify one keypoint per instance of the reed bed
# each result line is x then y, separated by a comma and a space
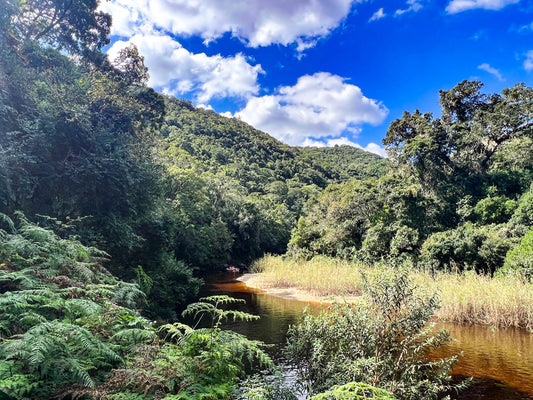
505, 301
321, 276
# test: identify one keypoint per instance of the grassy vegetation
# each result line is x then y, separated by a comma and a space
500, 301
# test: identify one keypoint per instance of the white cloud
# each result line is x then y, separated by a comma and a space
528, 63
413, 6
318, 106
176, 71
456, 6
493, 71
524, 28
376, 149
377, 15
256, 22
343, 141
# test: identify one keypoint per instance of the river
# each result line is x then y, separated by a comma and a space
500, 360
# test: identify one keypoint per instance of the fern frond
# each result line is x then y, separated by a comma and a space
133, 336
60, 352
129, 295
9, 222
221, 299
175, 331
198, 308
77, 308
238, 316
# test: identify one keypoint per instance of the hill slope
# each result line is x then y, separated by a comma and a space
238, 191
232, 146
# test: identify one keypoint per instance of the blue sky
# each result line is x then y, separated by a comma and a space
317, 72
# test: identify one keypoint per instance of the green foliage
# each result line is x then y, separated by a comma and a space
61, 323
354, 391
456, 197
175, 285
78, 335
383, 342
366, 219
191, 363
467, 247
78, 136
59, 352
32, 254
345, 162
266, 387
494, 209
238, 192
522, 218
211, 306
74, 26
520, 257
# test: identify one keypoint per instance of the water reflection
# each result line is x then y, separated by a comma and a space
501, 360
504, 354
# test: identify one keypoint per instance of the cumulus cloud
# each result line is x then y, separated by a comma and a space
343, 141
456, 6
413, 6
317, 106
176, 71
528, 63
493, 71
256, 22
377, 15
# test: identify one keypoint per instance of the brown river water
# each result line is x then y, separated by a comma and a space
500, 360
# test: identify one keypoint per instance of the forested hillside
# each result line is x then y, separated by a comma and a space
238, 191
459, 194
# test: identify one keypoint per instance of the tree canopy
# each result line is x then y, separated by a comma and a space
455, 193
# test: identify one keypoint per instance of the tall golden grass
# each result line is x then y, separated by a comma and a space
503, 301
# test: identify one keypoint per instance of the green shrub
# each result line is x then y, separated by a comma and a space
497, 209
520, 257
383, 342
467, 247
354, 391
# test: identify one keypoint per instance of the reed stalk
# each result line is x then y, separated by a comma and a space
467, 298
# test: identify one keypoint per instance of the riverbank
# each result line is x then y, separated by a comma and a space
465, 298
257, 281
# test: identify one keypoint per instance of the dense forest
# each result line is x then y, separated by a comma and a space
114, 199
459, 194
90, 151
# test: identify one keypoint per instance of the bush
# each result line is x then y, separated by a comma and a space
467, 247
383, 342
520, 258
354, 391
497, 209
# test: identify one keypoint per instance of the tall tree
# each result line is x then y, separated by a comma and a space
75, 26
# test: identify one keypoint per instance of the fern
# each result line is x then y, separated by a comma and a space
15, 385
211, 306
60, 352
128, 338
176, 331
37, 252
129, 295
